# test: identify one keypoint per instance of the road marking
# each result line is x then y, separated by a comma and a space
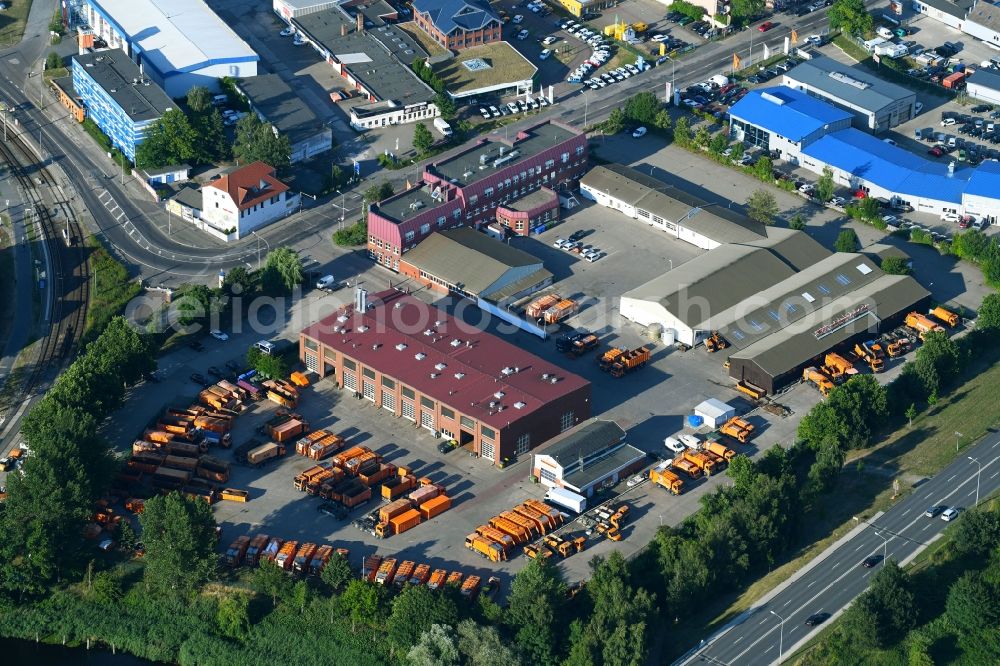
952, 477
994, 474
811, 584
738, 640
859, 548
768, 650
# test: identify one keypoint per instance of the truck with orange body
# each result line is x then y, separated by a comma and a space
946, 316
403, 573
662, 476
686, 466
286, 555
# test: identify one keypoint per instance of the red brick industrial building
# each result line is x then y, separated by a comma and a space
458, 24
421, 364
466, 187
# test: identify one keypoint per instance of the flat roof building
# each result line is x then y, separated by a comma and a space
276, 103
472, 264
591, 456
950, 12
494, 69
682, 215
118, 97
877, 105
423, 365
984, 84
374, 57
180, 43
784, 119
465, 187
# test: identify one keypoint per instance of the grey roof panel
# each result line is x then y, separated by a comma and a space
598, 471
281, 106
583, 441
125, 83
870, 92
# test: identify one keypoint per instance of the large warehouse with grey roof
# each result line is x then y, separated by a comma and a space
779, 302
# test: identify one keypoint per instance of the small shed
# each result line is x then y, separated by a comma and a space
715, 412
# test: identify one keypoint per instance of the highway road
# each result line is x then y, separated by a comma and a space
835, 581
130, 229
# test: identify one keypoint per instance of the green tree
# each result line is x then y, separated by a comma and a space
702, 137
415, 610
271, 580
883, 614
238, 282
682, 131
199, 99
179, 535
53, 61
536, 601
170, 140
868, 209
847, 241
282, 270
445, 105
797, 223
256, 141
436, 647
718, 143
213, 144
196, 303
850, 415
337, 573
850, 17
127, 538
911, 413
972, 603
337, 176
663, 121
745, 10
737, 153
988, 318
977, 533
361, 601
825, 186
938, 361
643, 108
615, 122
764, 169
895, 266
423, 140
233, 615
762, 206
483, 646
106, 589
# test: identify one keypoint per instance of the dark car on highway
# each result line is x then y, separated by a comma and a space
871, 561
817, 619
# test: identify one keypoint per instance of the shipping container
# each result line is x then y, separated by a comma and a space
435, 506
566, 499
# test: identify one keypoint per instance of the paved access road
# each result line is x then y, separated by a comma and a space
839, 578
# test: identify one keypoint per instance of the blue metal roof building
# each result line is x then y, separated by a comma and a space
787, 112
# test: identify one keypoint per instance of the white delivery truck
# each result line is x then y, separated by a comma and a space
566, 499
441, 125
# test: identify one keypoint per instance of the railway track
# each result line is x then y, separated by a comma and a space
55, 227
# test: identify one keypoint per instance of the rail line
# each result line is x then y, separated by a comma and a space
69, 276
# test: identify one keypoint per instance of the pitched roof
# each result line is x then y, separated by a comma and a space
451, 15
281, 106
446, 359
588, 439
470, 259
985, 14
250, 185
983, 77
957, 8
791, 113
985, 180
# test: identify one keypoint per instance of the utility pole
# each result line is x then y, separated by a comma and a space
958, 440
781, 634
978, 474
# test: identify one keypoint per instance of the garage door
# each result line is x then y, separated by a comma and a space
427, 420
486, 450
350, 380
368, 390
389, 401
408, 411
312, 362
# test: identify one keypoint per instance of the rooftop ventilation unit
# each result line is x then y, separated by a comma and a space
456, 343
507, 371
401, 346
493, 404
459, 375
553, 380
440, 366
499, 394
439, 323
849, 80
545, 375
428, 332
342, 318
362, 328
434, 375
376, 346
519, 405
420, 356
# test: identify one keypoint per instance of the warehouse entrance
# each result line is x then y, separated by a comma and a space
465, 438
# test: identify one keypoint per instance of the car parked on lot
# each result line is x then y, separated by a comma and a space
219, 335
198, 378
639, 132
765, 26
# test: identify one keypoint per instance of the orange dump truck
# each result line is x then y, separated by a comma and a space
324, 447
495, 535
718, 449
542, 525
559, 311
531, 526
455, 578
922, 324
393, 509
738, 429
286, 556
342, 458
302, 445
631, 360
486, 547
299, 379
838, 367
437, 579
553, 516
303, 557
946, 316
538, 306
404, 572
370, 567
399, 523
237, 551
818, 379
287, 430
662, 476
303, 478
265, 452
379, 473
256, 549
314, 484
319, 560
519, 533
704, 462
609, 358
421, 574
398, 485
686, 466
386, 571
470, 587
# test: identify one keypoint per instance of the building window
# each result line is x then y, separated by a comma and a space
407, 393
388, 383
311, 344
523, 444
549, 164
579, 150
426, 403
368, 372
488, 192
350, 365
425, 228
467, 423
488, 433
473, 199
565, 158
408, 237
457, 213
566, 422
447, 413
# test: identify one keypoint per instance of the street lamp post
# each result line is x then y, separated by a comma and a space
958, 440
266, 244
978, 474
781, 634
885, 547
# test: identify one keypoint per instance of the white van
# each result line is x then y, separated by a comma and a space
325, 282
265, 347
884, 32
220, 100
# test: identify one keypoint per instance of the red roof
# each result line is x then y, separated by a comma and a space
250, 185
447, 359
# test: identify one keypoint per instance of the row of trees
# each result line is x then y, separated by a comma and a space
199, 136
443, 102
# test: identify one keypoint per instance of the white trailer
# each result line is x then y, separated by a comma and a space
567, 499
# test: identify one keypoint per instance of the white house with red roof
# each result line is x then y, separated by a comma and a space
244, 200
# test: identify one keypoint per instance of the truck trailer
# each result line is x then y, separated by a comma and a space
566, 499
